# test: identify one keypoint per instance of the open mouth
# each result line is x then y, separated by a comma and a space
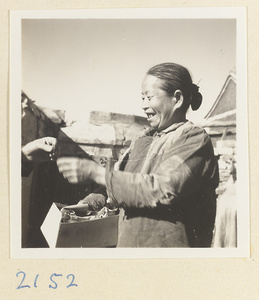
150, 115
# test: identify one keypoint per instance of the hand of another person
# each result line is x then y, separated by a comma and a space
40, 150
79, 209
95, 200
79, 170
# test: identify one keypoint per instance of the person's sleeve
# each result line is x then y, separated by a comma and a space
27, 166
97, 199
181, 170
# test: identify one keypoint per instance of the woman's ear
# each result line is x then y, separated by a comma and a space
178, 95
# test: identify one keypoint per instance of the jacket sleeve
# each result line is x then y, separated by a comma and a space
97, 199
182, 169
27, 166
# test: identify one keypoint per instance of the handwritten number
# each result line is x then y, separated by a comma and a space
54, 274
54, 286
35, 281
72, 281
20, 285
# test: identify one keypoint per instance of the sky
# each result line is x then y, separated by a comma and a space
81, 65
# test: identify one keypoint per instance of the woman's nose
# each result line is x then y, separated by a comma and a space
145, 103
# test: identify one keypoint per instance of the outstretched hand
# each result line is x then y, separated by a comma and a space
80, 170
40, 150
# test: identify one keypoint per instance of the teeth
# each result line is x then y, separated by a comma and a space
150, 115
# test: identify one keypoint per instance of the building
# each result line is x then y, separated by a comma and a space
220, 123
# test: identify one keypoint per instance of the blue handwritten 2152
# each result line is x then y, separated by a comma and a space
53, 277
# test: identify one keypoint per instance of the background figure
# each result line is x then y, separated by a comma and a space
37, 186
165, 182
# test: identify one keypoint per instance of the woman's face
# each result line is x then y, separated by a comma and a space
157, 105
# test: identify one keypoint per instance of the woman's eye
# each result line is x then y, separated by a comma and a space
146, 96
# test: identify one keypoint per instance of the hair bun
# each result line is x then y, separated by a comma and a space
196, 97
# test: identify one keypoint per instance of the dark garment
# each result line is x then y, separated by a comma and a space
27, 166
166, 185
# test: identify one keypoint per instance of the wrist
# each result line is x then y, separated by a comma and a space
26, 153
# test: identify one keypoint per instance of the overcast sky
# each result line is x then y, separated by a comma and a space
99, 64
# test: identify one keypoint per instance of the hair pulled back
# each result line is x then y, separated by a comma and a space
176, 77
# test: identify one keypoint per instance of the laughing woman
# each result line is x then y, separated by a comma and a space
165, 182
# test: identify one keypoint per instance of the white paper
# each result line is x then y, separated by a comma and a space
50, 226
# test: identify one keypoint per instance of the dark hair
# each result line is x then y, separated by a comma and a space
177, 77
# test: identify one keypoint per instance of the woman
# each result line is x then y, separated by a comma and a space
165, 182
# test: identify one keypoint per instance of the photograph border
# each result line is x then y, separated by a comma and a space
243, 221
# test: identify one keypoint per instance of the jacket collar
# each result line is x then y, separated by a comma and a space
172, 127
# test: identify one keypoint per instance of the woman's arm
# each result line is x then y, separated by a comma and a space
79, 170
179, 172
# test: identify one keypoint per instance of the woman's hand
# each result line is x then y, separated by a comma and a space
79, 170
40, 150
